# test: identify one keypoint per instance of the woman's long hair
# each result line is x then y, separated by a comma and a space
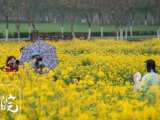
150, 64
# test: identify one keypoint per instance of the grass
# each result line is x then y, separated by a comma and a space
78, 27
140, 38
132, 38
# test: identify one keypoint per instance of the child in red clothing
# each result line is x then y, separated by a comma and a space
11, 64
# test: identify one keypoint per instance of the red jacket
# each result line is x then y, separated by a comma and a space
12, 68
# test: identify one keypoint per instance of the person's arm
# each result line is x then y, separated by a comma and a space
43, 64
31, 64
7, 65
137, 79
141, 85
19, 58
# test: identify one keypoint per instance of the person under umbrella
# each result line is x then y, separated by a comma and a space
21, 50
37, 63
46, 54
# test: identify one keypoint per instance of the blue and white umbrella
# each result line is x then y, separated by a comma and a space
47, 52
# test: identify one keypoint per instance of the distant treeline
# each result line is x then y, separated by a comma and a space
118, 12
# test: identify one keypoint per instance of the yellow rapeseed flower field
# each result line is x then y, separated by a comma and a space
105, 90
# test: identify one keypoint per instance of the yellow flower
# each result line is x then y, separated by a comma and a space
52, 73
45, 70
83, 117
90, 82
141, 89
108, 97
70, 69
101, 74
64, 72
143, 83
65, 77
150, 79
64, 111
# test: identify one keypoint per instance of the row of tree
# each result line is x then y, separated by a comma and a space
119, 12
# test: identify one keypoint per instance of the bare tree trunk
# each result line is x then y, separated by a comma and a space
62, 21
62, 30
7, 28
131, 31
91, 17
55, 20
117, 34
133, 22
34, 27
29, 26
108, 19
72, 23
89, 33
102, 31
157, 32
89, 25
72, 31
99, 17
40, 15
153, 20
18, 34
121, 32
157, 20
138, 21
102, 27
126, 33
53, 17
76, 20
145, 21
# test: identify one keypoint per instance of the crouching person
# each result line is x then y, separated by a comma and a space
12, 64
149, 80
38, 64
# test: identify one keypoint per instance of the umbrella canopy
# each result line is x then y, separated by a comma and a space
47, 52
